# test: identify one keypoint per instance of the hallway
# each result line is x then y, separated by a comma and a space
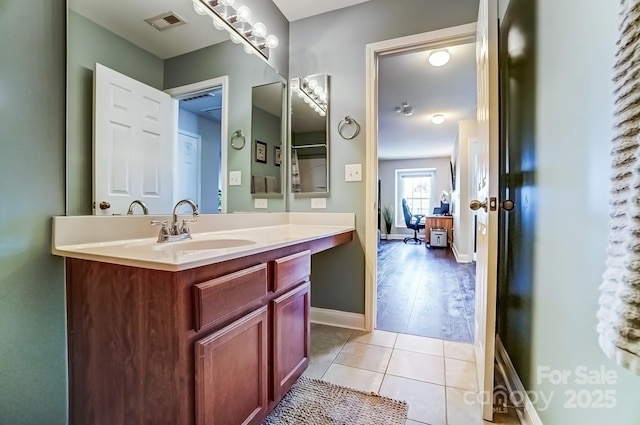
425, 292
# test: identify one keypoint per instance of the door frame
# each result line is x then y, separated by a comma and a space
180, 92
429, 40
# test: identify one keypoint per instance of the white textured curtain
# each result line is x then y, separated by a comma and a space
295, 172
619, 313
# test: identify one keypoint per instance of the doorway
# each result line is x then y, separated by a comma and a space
201, 110
425, 286
422, 289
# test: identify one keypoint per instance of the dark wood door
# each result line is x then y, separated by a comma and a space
231, 373
517, 182
291, 338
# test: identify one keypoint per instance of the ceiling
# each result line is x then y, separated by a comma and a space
299, 9
405, 77
450, 90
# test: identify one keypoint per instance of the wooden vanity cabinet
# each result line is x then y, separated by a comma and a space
218, 344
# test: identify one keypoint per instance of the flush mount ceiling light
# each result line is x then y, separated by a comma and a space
437, 119
405, 109
253, 37
439, 57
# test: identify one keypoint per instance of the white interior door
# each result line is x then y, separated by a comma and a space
487, 189
188, 174
134, 131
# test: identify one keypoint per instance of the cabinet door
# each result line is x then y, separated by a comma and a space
231, 373
291, 338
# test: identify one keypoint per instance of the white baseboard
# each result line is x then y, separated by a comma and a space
529, 416
341, 319
460, 258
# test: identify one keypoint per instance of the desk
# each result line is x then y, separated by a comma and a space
439, 221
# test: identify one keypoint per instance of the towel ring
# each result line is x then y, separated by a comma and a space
346, 122
237, 140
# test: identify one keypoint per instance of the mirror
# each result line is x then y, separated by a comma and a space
266, 131
309, 139
115, 34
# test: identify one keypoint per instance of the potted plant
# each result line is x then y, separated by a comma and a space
387, 215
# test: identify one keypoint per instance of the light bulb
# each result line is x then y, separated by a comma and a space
235, 38
323, 96
306, 100
318, 90
259, 29
322, 113
437, 119
248, 50
217, 24
313, 84
271, 41
439, 57
199, 9
243, 14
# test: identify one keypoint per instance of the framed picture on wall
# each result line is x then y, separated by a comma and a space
261, 152
277, 159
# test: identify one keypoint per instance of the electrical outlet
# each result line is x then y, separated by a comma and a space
260, 203
318, 203
235, 178
353, 173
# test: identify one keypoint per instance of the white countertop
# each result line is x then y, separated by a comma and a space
94, 238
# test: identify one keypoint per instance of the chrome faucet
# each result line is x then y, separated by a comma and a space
177, 231
145, 210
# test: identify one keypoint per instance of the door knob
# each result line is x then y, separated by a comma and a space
104, 205
507, 205
476, 205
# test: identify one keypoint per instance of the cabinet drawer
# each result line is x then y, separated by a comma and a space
221, 298
291, 270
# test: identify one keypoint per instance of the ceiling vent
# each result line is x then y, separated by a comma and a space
198, 96
165, 21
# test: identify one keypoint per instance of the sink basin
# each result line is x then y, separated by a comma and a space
204, 244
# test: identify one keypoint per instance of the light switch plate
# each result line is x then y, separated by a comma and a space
353, 173
260, 203
318, 203
235, 178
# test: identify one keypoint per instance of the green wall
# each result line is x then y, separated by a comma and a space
338, 275
244, 72
268, 129
90, 43
575, 48
33, 383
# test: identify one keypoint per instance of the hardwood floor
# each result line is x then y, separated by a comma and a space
424, 291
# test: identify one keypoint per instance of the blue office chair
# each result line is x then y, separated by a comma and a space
412, 222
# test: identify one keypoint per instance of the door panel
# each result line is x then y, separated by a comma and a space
231, 369
517, 182
487, 188
134, 129
187, 177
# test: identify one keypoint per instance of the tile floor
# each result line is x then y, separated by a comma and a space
432, 375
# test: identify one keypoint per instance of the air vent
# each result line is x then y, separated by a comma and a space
199, 96
165, 21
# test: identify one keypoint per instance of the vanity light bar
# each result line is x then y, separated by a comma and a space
313, 95
236, 22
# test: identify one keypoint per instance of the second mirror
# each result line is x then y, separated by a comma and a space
309, 134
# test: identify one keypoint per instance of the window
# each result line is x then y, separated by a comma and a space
416, 186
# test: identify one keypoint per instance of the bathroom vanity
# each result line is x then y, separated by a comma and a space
164, 334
